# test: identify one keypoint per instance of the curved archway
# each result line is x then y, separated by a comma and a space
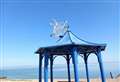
59, 67
82, 71
93, 66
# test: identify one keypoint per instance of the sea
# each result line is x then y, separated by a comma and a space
60, 71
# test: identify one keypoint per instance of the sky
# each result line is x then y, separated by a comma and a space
25, 27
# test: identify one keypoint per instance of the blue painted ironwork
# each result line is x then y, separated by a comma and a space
51, 68
46, 67
101, 65
68, 67
40, 67
75, 64
71, 48
86, 67
70, 38
83, 40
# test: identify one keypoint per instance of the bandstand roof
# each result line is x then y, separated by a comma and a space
64, 46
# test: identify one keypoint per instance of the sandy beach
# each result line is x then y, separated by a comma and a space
61, 80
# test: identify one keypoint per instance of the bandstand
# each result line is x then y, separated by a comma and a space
70, 49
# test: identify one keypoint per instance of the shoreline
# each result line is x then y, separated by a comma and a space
59, 80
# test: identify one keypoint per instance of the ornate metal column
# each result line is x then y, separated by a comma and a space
40, 67
46, 67
75, 64
86, 67
100, 65
68, 67
51, 68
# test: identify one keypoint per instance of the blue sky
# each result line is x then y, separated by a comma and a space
25, 27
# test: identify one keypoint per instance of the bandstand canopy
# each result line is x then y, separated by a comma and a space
69, 41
